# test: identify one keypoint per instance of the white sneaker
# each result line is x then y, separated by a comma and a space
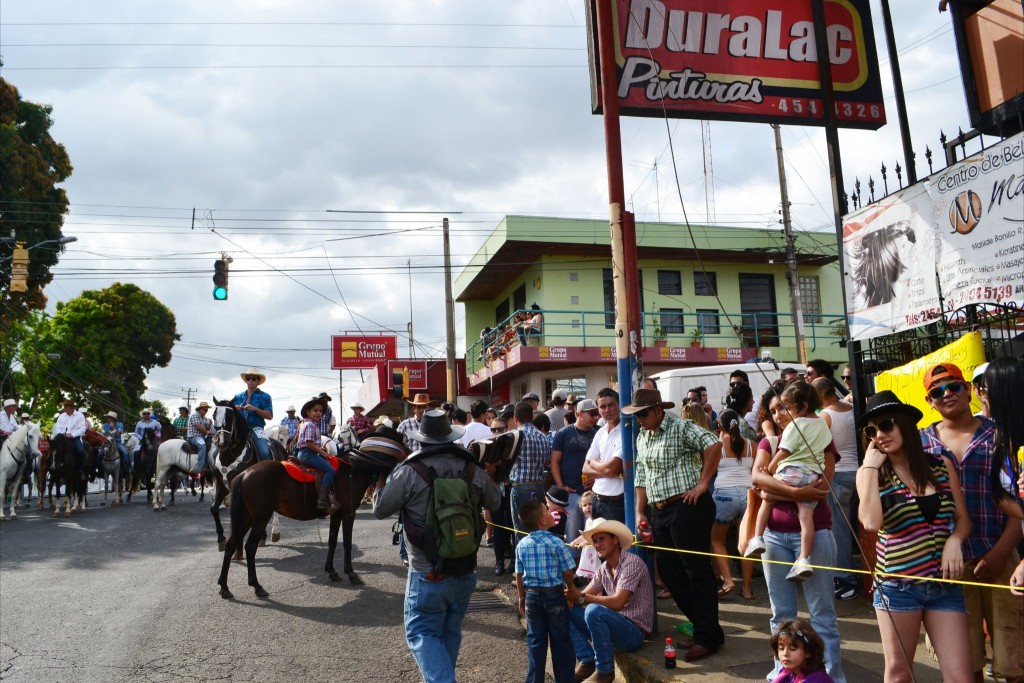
755, 547
801, 570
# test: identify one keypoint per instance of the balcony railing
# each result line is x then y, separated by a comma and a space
769, 330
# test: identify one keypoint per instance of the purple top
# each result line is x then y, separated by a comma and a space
787, 676
784, 519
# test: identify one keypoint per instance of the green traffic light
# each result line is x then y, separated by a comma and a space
220, 293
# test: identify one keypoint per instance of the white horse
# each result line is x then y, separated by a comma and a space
15, 457
172, 454
277, 433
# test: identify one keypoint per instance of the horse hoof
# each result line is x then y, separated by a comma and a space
276, 536
354, 579
56, 513
335, 576
263, 543
67, 513
221, 545
260, 593
226, 594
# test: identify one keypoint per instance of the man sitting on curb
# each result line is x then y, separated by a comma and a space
615, 611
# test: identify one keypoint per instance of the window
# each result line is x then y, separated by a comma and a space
501, 312
670, 282
609, 297
760, 325
671, 320
574, 300
574, 277
705, 284
810, 298
707, 320
519, 297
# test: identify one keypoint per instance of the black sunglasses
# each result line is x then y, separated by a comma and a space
939, 391
497, 430
736, 384
846, 378
591, 413
881, 426
641, 414
252, 378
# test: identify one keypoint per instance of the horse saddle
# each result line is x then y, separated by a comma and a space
502, 450
299, 471
189, 447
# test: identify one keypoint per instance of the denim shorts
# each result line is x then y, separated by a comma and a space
916, 596
730, 503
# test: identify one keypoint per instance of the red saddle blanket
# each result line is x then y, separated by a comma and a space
304, 473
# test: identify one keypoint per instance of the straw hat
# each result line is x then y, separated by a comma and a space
202, 404
111, 414
610, 526
254, 371
421, 400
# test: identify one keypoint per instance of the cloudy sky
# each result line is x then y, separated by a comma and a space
265, 117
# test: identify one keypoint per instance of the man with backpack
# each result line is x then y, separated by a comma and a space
438, 492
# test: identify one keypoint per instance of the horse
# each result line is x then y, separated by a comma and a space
144, 464
232, 452
108, 463
279, 434
173, 455
16, 455
65, 468
346, 438
266, 488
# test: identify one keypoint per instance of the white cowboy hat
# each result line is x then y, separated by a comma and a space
383, 420
10, 402
357, 405
145, 411
610, 526
111, 414
183, 408
254, 371
290, 409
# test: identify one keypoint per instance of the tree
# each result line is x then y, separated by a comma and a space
32, 207
107, 340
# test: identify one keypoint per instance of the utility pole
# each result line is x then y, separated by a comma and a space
791, 274
412, 347
449, 313
188, 396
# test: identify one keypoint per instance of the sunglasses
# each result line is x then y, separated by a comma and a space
736, 384
846, 378
871, 431
591, 413
641, 414
497, 430
252, 378
940, 391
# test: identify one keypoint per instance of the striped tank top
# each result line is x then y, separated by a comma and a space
907, 542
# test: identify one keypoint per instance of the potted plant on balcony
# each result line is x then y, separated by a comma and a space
696, 338
660, 337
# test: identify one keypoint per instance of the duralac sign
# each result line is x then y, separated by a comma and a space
740, 60
362, 351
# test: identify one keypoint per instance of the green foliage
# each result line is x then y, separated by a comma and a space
32, 164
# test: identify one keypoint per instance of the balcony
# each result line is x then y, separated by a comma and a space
575, 337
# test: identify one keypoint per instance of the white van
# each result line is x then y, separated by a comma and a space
674, 384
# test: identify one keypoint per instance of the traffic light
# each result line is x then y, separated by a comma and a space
19, 268
400, 383
220, 279
405, 382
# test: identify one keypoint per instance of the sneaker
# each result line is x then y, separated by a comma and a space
845, 590
801, 570
756, 547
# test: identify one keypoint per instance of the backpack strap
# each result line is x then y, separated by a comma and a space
423, 536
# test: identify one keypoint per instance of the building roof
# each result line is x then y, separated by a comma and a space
519, 241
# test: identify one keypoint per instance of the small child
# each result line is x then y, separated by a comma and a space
312, 454
799, 461
557, 500
544, 581
589, 561
801, 653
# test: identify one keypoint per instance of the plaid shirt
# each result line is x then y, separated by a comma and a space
292, 425
542, 558
196, 420
975, 478
405, 428
324, 423
360, 424
308, 431
533, 456
180, 424
669, 458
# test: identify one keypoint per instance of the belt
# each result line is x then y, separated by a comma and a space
661, 504
545, 589
524, 483
610, 499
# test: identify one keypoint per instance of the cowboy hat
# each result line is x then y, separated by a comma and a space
10, 402
145, 411
310, 403
421, 400
644, 399
202, 404
254, 371
357, 404
610, 526
324, 396
383, 420
185, 408
290, 409
887, 402
435, 428
67, 400
111, 414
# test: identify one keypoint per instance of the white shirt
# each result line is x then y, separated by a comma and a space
73, 424
475, 431
8, 423
607, 445
844, 435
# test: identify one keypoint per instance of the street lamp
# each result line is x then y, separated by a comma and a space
64, 239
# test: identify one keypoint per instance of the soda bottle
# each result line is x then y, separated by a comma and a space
646, 535
670, 654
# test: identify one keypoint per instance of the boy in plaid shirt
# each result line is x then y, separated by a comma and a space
544, 581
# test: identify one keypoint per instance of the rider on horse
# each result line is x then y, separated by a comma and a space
113, 429
8, 420
310, 451
147, 422
72, 425
257, 407
199, 429
180, 423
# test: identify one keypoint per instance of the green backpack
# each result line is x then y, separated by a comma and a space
454, 524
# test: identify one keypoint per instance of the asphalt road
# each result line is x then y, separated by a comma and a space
126, 594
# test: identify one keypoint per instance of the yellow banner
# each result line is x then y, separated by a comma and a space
907, 381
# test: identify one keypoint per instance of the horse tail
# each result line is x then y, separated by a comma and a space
237, 510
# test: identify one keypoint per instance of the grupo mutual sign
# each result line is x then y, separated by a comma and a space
740, 60
362, 351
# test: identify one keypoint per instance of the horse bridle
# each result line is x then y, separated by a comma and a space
226, 470
26, 449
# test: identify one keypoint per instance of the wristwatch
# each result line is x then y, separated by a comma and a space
580, 600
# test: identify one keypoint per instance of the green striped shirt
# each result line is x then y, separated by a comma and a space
669, 459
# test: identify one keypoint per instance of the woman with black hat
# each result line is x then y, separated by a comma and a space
915, 503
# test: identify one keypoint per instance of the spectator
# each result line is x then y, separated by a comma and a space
604, 460
741, 400
534, 401
501, 538
411, 425
477, 429
543, 423
557, 412
530, 325
732, 482
527, 476
790, 375
568, 453
694, 412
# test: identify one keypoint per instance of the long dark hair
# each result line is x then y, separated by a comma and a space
729, 422
738, 398
1004, 380
763, 411
917, 459
800, 630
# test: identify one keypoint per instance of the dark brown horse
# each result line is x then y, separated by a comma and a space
64, 468
144, 464
266, 488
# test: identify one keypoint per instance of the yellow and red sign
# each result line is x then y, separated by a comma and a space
362, 351
740, 60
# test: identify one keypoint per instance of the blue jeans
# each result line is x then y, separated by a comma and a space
819, 592
919, 596
573, 523
314, 459
200, 443
522, 493
609, 631
615, 509
843, 486
433, 622
547, 619
263, 448
523, 334
126, 463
